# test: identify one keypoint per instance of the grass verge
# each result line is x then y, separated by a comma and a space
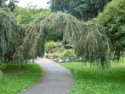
18, 79
97, 81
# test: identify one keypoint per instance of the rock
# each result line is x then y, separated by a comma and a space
67, 60
60, 60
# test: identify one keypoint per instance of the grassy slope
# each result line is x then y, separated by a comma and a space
86, 81
17, 79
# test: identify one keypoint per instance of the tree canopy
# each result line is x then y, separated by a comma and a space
112, 18
10, 35
93, 45
82, 9
27, 15
11, 4
74, 31
90, 39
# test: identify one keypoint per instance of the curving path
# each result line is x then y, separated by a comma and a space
56, 79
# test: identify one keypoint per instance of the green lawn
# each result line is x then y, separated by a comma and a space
18, 79
97, 81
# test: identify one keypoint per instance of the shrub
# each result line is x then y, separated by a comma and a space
68, 53
55, 55
50, 45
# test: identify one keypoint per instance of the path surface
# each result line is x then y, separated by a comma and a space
56, 79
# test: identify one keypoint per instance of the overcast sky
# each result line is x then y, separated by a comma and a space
39, 3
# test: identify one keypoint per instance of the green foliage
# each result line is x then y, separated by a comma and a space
87, 9
17, 79
33, 43
74, 32
2, 3
54, 55
93, 45
68, 53
50, 45
7, 30
60, 5
23, 16
112, 18
11, 4
27, 15
82, 9
54, 36
11, 35
95, 80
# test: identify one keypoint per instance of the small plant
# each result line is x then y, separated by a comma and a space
68, 53
50, 45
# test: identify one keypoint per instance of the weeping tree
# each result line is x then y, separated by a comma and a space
7, 26
113, 19
10, 35
89, 39
6, 29
33, 44
93, 45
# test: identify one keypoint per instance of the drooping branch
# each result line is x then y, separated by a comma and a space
33, 43
94, 45
9, 31
89, 39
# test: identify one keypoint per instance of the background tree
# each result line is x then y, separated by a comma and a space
93, 45
3, 3
82, 9
12, 4
9, 3
27, 15
112, 18
60, 5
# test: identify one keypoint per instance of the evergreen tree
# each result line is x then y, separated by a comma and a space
11, 35
11, 4
113, 19
82, 9
89, 39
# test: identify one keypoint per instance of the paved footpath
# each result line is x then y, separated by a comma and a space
56, 79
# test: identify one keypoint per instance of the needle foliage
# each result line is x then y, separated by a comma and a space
93, 45
33, 43
10, 35
89, 39
113, 19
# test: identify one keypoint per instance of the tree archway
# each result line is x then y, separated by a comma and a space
89, 38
